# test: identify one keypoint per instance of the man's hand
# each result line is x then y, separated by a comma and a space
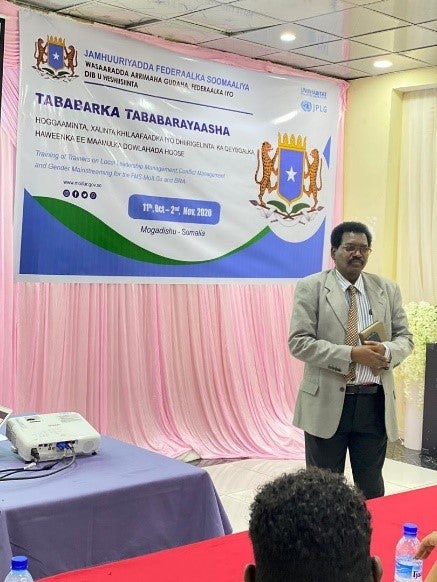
371, 354
427, 545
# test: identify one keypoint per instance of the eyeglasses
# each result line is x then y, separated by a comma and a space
363, 249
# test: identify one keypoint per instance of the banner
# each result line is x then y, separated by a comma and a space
138, 163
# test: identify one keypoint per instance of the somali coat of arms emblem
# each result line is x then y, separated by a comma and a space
288, 174
54, 59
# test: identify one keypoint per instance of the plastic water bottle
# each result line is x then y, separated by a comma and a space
406, 567
19, 571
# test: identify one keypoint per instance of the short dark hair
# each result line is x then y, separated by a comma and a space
340, 229
310, 526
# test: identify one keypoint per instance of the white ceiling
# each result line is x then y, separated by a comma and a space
340, 38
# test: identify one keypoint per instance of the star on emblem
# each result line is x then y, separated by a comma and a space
291, 174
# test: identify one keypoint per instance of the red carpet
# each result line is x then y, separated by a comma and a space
223, 559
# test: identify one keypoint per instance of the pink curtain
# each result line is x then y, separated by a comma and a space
174, 368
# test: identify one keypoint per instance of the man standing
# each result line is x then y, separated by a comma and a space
346, 399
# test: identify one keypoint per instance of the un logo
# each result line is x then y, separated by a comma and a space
306, 105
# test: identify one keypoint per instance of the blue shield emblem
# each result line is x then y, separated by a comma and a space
291, 172
56, 55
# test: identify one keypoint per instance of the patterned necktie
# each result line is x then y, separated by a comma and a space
351, 338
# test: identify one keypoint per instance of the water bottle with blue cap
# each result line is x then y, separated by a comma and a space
19, 571
406, 566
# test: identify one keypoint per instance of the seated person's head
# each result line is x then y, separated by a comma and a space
311, 526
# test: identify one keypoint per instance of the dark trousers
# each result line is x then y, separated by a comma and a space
362, 431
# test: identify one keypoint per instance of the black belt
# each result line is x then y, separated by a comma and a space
362, 388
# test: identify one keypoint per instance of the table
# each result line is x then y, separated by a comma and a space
223, 559
122, 502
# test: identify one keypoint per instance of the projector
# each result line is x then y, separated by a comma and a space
48, 437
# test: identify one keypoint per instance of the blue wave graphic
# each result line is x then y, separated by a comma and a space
49, 248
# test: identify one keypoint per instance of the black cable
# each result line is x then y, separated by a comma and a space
45, 467
7, 478
26, 478
11, 472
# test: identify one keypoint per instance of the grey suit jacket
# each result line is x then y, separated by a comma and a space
317, 332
